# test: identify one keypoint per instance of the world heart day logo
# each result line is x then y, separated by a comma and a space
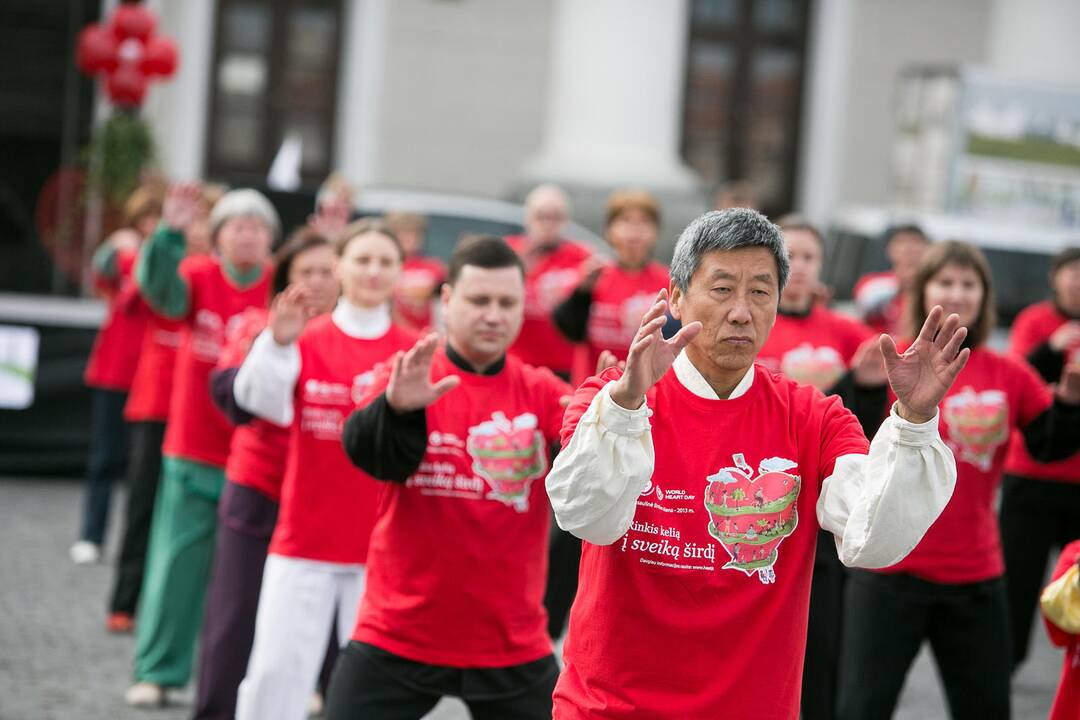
752, 512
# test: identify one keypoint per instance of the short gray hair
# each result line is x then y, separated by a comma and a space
246, 202
729, 229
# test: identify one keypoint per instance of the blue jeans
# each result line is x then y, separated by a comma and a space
106, 460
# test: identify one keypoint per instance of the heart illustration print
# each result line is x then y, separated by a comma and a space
752, 512
978, 424
817, 366
509, 455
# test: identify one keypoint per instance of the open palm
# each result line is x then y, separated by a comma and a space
650, 354
922, 375
410, 387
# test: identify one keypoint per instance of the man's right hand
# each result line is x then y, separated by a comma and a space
181, 205
650, 355
410, 387
289, 313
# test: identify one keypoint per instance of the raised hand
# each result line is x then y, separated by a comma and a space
331, 217
1068, 387
1065, 336
590, 270
925, 372
182, 205
607, 360
289, 313
650, 355
868, 364
410, 386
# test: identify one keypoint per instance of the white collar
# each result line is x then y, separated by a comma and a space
362, 323
692, 379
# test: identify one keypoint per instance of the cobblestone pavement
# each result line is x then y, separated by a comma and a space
58, 663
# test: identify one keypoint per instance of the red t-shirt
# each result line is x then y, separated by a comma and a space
619, 299
878, 295
459, 553
116, 349
992, 395
258, 448
1067, 701
1032, 328
815, 349
197, 430
151, 387
548, 281
327, 504
416, 285
700, 610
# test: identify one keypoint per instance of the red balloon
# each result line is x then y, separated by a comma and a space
127, 85
96, 50
160, 56
133, 21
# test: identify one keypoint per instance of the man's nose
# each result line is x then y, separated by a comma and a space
739, 313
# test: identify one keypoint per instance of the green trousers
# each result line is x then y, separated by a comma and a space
177, 570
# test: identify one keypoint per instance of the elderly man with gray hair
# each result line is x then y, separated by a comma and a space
698, 481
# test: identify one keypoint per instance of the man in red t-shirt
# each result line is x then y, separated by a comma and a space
553, 268
460, 434
698, 481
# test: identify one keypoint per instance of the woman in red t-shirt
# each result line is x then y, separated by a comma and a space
949, 589
309, 376
1040, 502
111, 367
247, 511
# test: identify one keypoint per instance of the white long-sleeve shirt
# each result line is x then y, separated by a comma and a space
878, 506
265, 382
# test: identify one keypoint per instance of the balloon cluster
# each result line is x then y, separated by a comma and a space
127, 52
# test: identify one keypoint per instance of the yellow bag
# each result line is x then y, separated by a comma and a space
1061, 601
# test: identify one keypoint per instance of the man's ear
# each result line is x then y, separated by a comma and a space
675, 297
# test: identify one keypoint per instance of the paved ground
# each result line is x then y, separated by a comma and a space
57, 663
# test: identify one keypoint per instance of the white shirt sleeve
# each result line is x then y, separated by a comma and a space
878, 505
596, 479
265, 382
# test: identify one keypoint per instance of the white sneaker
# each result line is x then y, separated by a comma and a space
145, 695
315, 705
85, 552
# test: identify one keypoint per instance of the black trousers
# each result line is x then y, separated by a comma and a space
361, 689
887, 619
144, 471
1037, 516
824, 632
106, 460
564, 558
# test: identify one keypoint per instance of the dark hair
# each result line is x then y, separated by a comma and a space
363, 227
953, 252
303, 239
909, 228
483, 251
794, 221
1063, 258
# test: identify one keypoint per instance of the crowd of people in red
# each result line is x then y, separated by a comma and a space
343, 458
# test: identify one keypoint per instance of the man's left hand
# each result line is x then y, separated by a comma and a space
925, 372
1068, 387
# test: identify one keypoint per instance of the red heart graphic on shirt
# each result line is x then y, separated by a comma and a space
751, 513
509, 455
817, 366
978, 423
